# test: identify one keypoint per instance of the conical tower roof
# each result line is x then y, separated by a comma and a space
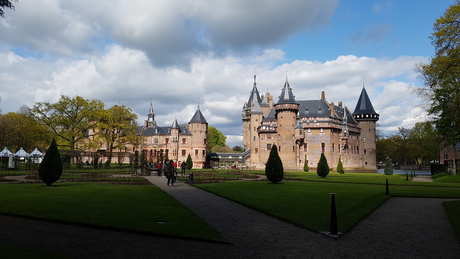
198, 117
364, 109
286, 94
255, 96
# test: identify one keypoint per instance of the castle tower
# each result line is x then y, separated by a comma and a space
198, 127
254, 97
286, 110
367, 119
175, 130
254, 141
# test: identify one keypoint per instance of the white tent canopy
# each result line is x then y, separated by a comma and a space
21, 153
36, 153
5, 152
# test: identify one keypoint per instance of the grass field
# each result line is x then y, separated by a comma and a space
304, 200
143, 208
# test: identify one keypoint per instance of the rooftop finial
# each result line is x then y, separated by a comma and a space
254, 79
363, 82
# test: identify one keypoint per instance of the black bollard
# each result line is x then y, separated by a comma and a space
407, 177
333, 226
387, 191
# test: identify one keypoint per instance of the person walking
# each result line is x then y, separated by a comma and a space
170, 174
190, 179
183, 166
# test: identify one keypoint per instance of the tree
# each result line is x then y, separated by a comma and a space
274, 166
388, 170
238, 149
117, 128
70, 119
215, 138
5, 4
340, 166
50, 169
441, 77
20, 130
323, 167
306, 168
189, 162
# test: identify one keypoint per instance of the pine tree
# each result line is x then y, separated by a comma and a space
274, 167
306, 168
50, 169
323, 167
388, 170
189, 162
340, 166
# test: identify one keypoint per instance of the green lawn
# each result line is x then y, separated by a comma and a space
143, 208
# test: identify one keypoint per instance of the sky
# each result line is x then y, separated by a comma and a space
183, 55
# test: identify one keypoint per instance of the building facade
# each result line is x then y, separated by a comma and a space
175, 142
303, 129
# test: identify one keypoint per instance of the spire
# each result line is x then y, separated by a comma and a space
286, 94
175, 125
256, 107
198, 117
364, 109
253, 97
151, 116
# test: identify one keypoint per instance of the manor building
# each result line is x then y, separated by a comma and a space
303, 129
175, 142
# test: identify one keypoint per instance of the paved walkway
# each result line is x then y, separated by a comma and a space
400, 228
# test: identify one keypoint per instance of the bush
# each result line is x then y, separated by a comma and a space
189, 162
50, 169
340, 166
306, 168
388, 170
323, 167
274, 167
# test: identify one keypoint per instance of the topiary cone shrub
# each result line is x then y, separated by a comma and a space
50, 169
389, 169
323, 167
189, 162
274, 167
306, 168
340, 166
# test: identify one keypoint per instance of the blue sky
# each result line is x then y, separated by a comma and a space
177, 54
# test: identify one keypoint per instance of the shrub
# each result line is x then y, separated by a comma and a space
306, 168
388, 170
189, 162
50, 169
340, 166
323, 167
274, 167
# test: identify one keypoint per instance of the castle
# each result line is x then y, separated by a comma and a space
175, 142
303, 129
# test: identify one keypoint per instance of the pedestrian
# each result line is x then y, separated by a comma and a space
183, 166
169, 169
190, 179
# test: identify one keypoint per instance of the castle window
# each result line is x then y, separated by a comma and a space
305, 147
175, 139
155, 141
364, 151
269, 146
254, 138
332, 147
203, 153
167, 141
196, 152
256, 150
184, 140
279, 148
167, 152
323, 147
205, 141
184, 152
293, 148
338, 147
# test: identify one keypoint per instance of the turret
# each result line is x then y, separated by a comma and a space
367, 118
286, 116
198, 127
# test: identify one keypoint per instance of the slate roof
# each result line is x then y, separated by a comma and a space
198, 117
364, 105
157, 130
286, 94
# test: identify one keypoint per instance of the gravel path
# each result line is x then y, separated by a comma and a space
400, 228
